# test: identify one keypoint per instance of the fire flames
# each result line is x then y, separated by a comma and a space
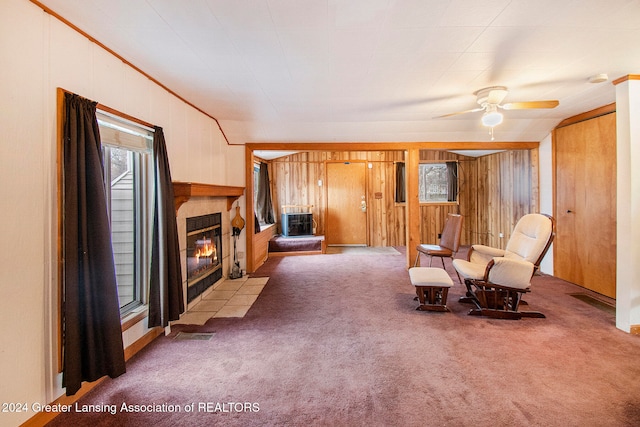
206, 249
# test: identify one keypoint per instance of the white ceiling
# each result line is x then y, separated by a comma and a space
371, 70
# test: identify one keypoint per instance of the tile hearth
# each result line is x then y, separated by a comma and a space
231, 298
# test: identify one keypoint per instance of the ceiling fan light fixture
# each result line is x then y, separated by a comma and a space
492, 118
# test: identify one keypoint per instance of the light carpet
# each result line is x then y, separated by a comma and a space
337, 341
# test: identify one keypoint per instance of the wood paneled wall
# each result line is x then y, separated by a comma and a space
494, 192
434, 215
507, 189
294, 181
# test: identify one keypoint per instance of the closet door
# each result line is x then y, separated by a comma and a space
585, 244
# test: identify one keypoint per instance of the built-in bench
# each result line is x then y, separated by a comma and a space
299, 245
261, 244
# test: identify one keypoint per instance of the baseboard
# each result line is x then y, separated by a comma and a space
141, 343
635, 330
42, 418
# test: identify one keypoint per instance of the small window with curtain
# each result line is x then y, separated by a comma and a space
400, 196
438, 182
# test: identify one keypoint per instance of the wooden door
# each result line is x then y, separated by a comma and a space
346, 220
585, 244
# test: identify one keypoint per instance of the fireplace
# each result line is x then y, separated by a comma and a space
204, 253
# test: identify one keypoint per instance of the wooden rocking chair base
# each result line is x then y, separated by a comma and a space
495, 301
432, 298
502, 314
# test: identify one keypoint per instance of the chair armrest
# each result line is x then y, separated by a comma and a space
481, 254
509, 272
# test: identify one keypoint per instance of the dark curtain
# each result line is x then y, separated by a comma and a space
400, 183
256, 224
264, 205
166, 300
452, 181
91, 311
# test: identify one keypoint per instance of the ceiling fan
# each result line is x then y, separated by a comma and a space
489, 100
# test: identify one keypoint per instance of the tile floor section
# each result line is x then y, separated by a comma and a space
231, 298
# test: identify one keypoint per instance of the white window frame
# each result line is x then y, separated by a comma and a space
117, 132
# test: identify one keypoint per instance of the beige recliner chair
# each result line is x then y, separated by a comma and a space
496, 279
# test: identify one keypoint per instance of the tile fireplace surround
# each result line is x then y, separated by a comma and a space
198, 204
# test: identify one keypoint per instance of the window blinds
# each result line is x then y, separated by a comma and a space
118, 132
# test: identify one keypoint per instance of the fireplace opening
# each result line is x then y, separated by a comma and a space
204, 253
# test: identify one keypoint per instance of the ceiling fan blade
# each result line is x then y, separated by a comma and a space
530, 104
459, 112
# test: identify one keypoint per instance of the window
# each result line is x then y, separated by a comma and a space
127, 156
256, 182
263, 206
400, 196
438, 182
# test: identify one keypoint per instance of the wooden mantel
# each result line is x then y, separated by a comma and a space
183, 191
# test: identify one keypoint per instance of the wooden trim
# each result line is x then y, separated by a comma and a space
121, 58
123, 115
320, 162
251, 232
635, 330
183, 191
42, 418
132, 319
626, 78
142, 342
456, 203
554, 183
390, 146
413, 219
60, 208
607, 109
436, 162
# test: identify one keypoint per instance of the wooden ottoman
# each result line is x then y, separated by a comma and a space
432, 286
